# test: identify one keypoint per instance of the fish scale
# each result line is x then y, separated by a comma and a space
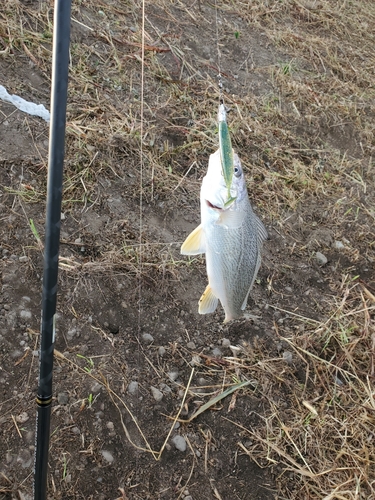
232, 260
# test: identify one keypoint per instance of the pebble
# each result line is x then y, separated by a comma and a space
235, 350
288, 357
225, 342
165, 388
107, 455
22, 417
76, 431
173, 375
23, 258
147, 338
110, 426
339, 245
156, 394
133, 387
190, 345
6, 307
161, 351
62, 398
196, 360
216, 352
321, 258
96, 387
25, 314
179, 442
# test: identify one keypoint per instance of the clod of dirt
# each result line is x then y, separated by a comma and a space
63, 398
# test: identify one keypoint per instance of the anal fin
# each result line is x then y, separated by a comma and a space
194, 243
208, 302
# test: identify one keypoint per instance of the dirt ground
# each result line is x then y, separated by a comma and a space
132, 352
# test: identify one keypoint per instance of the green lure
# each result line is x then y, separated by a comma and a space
226, 151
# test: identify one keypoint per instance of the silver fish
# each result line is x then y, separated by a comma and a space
230, 236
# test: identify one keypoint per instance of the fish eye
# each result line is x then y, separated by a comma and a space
237, 171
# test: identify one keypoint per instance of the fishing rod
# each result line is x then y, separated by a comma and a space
59, 89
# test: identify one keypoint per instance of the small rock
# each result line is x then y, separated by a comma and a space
179, 442
107, 455
288, 357
203, 381
339, 245
161, 351
110, 426
133, 387
321, 259
147, 338
22, 417
216, 352
6, 307
76, 431
225, 342
190, 345
235, 350
25, 314
173, 375
62, 398
157, 395
96, 387
196, 360
165, 388
23, 258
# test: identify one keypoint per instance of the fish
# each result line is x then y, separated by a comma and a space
230, 235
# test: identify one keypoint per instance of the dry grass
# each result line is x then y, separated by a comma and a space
322, 431
293, 139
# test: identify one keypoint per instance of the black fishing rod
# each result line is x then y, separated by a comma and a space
59, 89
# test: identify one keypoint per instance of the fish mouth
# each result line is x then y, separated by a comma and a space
209, 204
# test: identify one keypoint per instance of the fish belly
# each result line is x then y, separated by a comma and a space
232, 260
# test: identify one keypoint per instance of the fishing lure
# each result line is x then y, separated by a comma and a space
226, 151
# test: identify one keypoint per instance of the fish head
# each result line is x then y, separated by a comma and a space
216, 199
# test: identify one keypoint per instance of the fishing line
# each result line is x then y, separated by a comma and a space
141, 167
219, 77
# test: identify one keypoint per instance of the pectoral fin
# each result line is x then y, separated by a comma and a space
194, 243
208, 302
